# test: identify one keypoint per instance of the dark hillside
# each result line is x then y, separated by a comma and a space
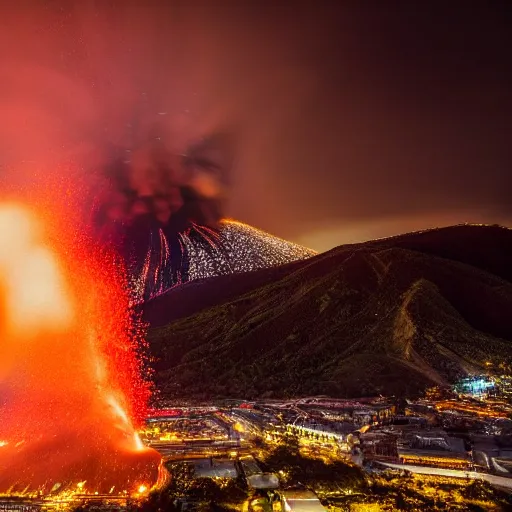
484, 247
355, 321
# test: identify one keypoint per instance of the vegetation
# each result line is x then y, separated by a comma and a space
341, 487
323, 478
383, 318
421, 492
347, 488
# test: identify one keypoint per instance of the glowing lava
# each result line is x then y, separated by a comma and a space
70, 386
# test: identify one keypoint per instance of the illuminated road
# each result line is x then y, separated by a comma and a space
499, 481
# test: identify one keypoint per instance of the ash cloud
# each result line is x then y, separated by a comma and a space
344, 114
105, 89
149, 197
148, 184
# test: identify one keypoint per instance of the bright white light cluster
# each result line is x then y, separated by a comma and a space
236, 248
205, 252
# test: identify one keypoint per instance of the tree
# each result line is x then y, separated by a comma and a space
235, 491
287, 461
157, 502
206, 490
182, 478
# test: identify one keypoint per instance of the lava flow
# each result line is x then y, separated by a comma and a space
71, 391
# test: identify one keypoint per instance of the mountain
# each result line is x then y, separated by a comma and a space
391, 316
200, 252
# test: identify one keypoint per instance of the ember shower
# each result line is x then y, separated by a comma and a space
70, 377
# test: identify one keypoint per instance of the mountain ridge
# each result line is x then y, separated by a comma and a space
177, 302
350, 322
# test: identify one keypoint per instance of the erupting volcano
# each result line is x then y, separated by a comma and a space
201, 252
71, 391
163, 213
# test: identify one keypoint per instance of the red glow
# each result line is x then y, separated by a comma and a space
71, 392
165, 413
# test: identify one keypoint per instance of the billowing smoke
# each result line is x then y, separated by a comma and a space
102, 90
149, 197
166, 190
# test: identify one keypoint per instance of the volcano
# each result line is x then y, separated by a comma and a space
200, 252
391, 316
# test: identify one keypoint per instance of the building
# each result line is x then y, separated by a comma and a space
263, 481
379, 446
434, 449
300, 501
322, 431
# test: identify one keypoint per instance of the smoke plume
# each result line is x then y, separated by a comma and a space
100, 89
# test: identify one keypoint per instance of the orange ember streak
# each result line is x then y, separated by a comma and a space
71, 392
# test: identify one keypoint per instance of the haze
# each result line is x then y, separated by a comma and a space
352, 122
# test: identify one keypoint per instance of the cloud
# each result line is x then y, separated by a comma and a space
326, 236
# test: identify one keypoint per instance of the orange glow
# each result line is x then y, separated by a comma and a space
35, 295
481, 410
72, 394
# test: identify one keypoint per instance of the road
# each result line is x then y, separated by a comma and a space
499, 481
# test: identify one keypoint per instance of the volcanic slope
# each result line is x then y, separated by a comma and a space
391, 316
236, 248
201, 252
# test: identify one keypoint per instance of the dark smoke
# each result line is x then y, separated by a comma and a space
149, 196
165, 190
103, 88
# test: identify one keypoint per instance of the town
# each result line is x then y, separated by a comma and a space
459, 436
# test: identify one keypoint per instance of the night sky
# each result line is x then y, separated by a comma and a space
351, 121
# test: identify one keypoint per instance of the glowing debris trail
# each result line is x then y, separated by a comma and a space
201, 252
70, 384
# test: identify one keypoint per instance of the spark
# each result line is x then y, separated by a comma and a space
205, 252
139, 445
68, 358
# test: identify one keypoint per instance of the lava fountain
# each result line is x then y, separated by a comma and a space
71, 391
